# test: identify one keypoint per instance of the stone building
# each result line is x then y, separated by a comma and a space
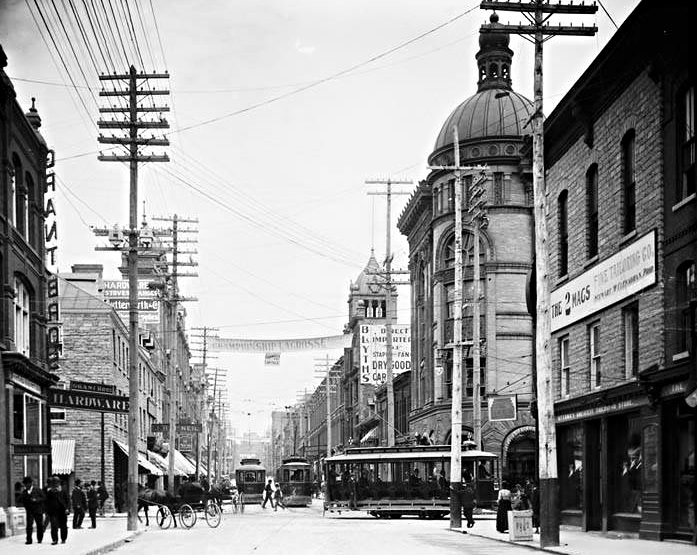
492, 128
25, 377
620, 154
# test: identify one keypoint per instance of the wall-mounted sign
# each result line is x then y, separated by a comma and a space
615, 278
373, 352
502, 407
87, 400
27, 449
232, 345
272, 359
53, 324
116, 295
92, 386
186, 445
50, 226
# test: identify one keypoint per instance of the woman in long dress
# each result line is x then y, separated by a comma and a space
504, 505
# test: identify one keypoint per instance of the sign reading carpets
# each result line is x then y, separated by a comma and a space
279, 345
116, 295
623, 274
87, 400
373, 357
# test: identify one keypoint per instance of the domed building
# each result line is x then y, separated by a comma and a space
493, 131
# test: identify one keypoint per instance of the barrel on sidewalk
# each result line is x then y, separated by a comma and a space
520, 525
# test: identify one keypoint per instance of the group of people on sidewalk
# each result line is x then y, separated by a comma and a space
52, 505
521, 498
274, 495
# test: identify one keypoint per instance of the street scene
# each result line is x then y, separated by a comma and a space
393, 277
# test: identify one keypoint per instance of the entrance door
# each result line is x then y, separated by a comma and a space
593, 515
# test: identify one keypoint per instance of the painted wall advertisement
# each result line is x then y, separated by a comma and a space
615, 278
116, 295
373, 355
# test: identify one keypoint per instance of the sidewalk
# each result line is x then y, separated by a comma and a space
110, 533
573, 541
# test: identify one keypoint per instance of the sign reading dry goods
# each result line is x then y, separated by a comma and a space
373, 346
87, 400
623, 274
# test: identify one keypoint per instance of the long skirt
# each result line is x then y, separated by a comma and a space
502, 515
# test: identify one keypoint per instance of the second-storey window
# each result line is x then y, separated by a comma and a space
564, 370
22, 304
563, 207
630, 318
686, 140
628, 182
594, 351
592, 210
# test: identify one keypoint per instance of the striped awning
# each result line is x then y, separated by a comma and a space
63, 456
371, 434
182, 462
143, 461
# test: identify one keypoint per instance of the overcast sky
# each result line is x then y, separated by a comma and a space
285, 222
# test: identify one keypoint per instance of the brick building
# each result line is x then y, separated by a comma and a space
491, 126
25, 159
621, 203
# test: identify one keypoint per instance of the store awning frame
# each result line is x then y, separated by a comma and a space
142, 460
62, 456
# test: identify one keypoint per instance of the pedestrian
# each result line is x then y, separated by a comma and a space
33, 500
103, 495
352, 487
278, 497
468, 502
268, 494
533, 495
79, 500
57, 508
93, 502
504, 505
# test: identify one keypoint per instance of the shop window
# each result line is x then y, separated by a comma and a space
570, 467
686, 140
594, 352
629, 182
686, 290
22, 302
626, 464
18, 416
630, 320
564, 371
592, 229
563, 233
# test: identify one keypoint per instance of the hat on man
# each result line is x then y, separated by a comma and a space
27, 480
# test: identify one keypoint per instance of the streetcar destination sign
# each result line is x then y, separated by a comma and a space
87, 400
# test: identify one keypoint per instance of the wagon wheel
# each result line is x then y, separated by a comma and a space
242, 503
163, 517
213, 514
187, 516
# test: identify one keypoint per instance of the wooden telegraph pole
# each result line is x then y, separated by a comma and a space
388, 297
538, 12
456, 400
133, 91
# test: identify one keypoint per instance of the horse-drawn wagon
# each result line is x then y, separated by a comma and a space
190, 500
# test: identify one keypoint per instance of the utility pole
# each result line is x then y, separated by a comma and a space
456, 402
133, 124
538, 12
204, 385
388, 296
326, 368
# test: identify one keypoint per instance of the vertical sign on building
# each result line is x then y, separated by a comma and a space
373, 355
55, 344
50, 224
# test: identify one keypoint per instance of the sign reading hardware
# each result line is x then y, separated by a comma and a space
615, 278
87, 400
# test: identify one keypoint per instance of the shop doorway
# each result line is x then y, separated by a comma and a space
593, 476
521, 459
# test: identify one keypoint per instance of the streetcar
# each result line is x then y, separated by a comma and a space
388, 482
251, 479
295, 477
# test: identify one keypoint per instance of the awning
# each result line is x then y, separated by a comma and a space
63, 456
143, 461
183, 463
162, 463
371, 433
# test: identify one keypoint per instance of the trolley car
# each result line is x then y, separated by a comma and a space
295, 477
251, 479
394, 481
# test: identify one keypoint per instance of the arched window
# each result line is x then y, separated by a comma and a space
686, 290
493, 71
629, 182
32, 223
563, 224
22, 305
592, 225
15, 186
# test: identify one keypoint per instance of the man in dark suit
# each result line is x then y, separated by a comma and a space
79, 500
57, 509
33, 500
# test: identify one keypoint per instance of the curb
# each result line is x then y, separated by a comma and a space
113, 545
554, 549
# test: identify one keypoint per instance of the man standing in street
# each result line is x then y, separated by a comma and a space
79, 500
268, 494
57, 509
468, 501
92, 503
33, 500
103, 496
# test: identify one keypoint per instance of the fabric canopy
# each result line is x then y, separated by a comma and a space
63, 456
143, 461
371, 433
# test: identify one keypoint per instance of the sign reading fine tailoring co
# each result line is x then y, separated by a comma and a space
615, 278
373, 345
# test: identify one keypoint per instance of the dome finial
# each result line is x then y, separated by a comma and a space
494, 18
33, 115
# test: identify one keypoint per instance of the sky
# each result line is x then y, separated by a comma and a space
280, 113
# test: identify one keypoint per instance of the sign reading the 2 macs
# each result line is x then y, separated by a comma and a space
615, 278
373, 355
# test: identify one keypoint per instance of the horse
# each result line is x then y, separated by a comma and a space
156, 497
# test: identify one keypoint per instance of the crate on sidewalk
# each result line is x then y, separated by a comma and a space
520, 525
